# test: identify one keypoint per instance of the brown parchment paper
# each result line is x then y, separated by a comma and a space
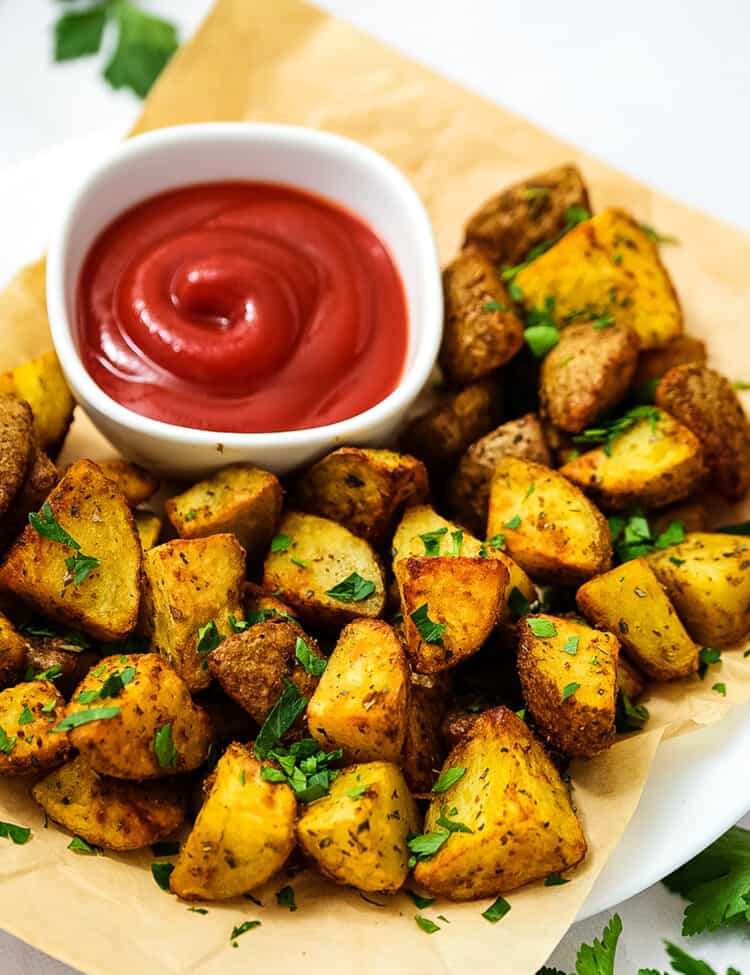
285, 61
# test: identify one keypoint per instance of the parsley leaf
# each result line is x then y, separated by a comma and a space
599, 958
79, 34
706, 657
541, 627
281, 717
357, 792
571, 645
18, 834
79, 566
609, 430
209, 638
672, 535
541, 339
285, 898
496, 911
428, 926
311, 662
353, 589
555, 880
281, 543
569, 690
166, 754
77, 845
430, 631
112, 686
452, 825
241, 929
457, 539
629, 716
161, 873
419, 901
497, 541
45, 524
424, 846
26, 716
493, 306
144, 46
656, 237
78, 718
518, 603
448, 778
432, 540
514, 522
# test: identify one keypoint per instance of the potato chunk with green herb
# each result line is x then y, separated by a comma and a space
149, 528
357, 834
136, 483
28, 715
568, 674
41, 383
503, 822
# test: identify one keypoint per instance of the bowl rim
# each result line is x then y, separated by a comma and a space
426, 347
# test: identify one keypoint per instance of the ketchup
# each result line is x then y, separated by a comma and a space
243, 306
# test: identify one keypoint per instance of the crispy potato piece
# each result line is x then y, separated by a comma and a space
691, 514
323, 556
16, 448
40, 382
443, 433
630, 602
189, 583
361, 703
240, 498
513, 800
361, 840
630, 680
260, 606
587, 373
149, 528
29, 741
704, 401
124, 745
551, 529
13, 652
60, 654
424, 748
252, 666
243, 834
569, 682
364, 490
607, 265
136, 483
526, 214
469, 491
457, 725
654, 363
652, 464
108, 813
707, 577
92, 509
41, 477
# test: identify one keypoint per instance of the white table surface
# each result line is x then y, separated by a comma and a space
660, 88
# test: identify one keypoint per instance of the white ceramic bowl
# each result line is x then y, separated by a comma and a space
330, 165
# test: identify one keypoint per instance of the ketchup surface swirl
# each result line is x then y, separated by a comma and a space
245, 307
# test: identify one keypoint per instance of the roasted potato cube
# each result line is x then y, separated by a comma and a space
364, 490
29, 713
240, 499
260, 606
40, 570
154, 730
630, 602
67, 659
13, 653
41, 477
108, 813
252, 666
16, 448
630, 680
550, 528
515, 806
243, 834
707, 577
188, 585
528, 213
149, 528
361, 703
40, 382
704, 401
569, 678
424, 748
136, 483
327, 574
358, 833
608, 266
469, 492
691, 515
587, 373
655, 462
654, 363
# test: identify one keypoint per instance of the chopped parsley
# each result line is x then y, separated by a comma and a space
518, 603
353, 589
720, 688
457, 540
18, 834
419, 901
496, 911
571, 645
656, 237
555, 880
430, 631
161, 873
45, 524
541, 627
285, 898
112, 686
428, 926
298, 562
451, 824
77, 845
357, 792
242, 929
632, 536
448, 778
497, 541
304, 767
629, 716
541, 332
311, 662
164, 748
280, 719
609, 430
198, 910
707, 656
281, 543
569, 690
209, 638
573, 216
424, 846
78, 718
432, 540
190, 515
7, 744
514, 522
51, 673
26, 716
490, 306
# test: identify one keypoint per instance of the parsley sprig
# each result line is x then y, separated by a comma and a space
632, 536
609, 430
305, 767
79, 565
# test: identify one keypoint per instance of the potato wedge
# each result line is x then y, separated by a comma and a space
568, 674
707, 577
149, 528
150, 728
27, 739
357, 834
240, 499
41, 383
424, 748
630, 602
654, 363
190, 584
93, 511
13, 653
41, 477
550, 528
109, 813
364, 490
136, 483
511, 798
704, 401
243, 834
16, 448
362, 700
328, 575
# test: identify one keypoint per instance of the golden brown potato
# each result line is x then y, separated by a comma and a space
424, 748
108, 813
630, 602
16, 447
358, 833
149, 528
587, 373
704, 401
526, 214
191, 584
68, 657
655, 462
150, 727
443, 433
361, 703
550, 528
43, 571
13, 652
328, 575
260, 606
707, 577
457, 725
569, 678
654, 363
41, 477
629, 679
240, 499
692, 516
520, 822
243, 834
29, 713
136, 483
469, 491
40, 382
364, 490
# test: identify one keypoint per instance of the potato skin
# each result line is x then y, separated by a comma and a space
41, 383
36, 745
704, 401
15, 448
13, 653
108, 813
41, 477
654, 363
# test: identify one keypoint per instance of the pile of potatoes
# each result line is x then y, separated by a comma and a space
383, 665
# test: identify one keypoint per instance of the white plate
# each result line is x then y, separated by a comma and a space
698, 785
